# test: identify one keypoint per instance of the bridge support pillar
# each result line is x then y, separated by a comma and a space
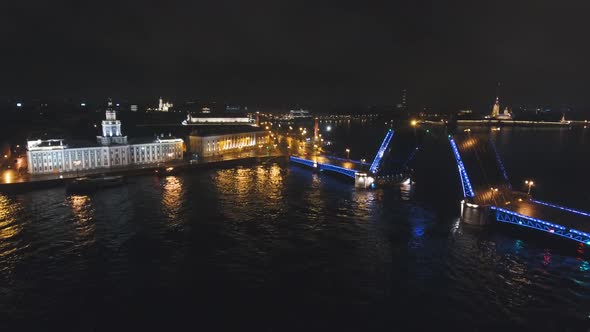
362, 180
474, 214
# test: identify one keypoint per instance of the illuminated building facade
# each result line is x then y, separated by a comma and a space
496, 108
235, 120
111, 150
209, 144
506, 115
300, 113
164, 106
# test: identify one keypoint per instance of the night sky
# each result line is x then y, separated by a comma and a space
448, 54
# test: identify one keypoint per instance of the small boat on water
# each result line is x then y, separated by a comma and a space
165, 171
89, 184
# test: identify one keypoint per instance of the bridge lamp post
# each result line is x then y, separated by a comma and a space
493, 190
414, 124
529, 183
347, 153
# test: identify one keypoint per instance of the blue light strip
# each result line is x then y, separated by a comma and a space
377, 161
467, 188
302, 161
511, 217
585, 214
345, 160
500, 163
327, 167
411, 157
346, 171
527, 217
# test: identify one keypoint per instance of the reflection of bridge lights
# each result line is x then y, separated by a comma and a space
456, 226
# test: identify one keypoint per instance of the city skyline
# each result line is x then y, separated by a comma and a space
446, 55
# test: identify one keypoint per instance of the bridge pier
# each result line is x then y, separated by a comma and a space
474, 214
362, 180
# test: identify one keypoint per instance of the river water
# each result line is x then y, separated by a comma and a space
274, 247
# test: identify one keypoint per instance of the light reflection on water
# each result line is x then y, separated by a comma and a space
9, 228
255, 237
172, 200
83, 211
241, 190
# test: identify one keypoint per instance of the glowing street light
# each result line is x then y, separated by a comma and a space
529, 183
347, 153
414, 123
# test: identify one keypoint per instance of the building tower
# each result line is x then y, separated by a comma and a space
111, 128
496, 108
316, 130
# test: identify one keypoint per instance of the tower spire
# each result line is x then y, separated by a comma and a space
496, 107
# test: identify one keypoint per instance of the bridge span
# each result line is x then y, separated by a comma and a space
364, 174
488, 194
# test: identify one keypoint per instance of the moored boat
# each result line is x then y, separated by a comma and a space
89, 184
166, 171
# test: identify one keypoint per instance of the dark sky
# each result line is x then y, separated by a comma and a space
446, 53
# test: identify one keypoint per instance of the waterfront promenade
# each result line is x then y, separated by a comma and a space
11, 180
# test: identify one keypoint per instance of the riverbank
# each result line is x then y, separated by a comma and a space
511, 123
55, 180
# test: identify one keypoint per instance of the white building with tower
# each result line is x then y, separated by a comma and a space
112, 150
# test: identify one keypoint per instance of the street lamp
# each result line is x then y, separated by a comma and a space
493, 190
347, 153
529, 183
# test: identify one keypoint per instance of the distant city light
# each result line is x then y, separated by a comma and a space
82, 104
118, 105
328, 128
19, 104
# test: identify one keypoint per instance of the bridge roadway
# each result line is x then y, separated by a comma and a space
485, 183
344, 163
339, 163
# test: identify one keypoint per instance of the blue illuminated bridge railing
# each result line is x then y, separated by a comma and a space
358, 162
466, 184
324, 167
303, 161
563, 208
377, 161
511, 217
500, 163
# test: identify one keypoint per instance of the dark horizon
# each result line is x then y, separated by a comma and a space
448, 56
